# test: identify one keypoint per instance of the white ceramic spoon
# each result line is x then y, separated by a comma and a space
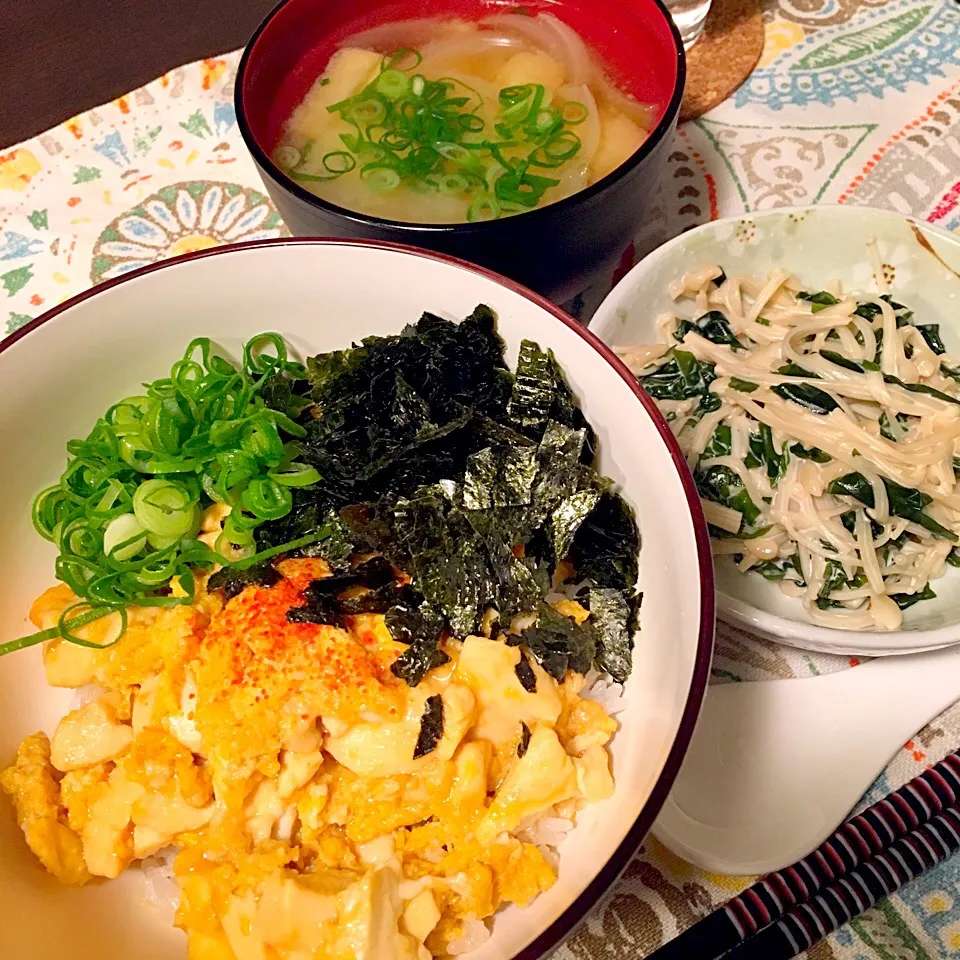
776, 766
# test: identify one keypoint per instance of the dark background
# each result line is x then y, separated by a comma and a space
60, 57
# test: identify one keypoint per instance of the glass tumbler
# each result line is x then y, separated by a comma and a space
689, 16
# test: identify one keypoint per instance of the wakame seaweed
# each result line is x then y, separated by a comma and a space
807, 396
809, 453
477, 483
818, 301
724, 486
713, 326
904, 600
931, 333
680, 377
904, 502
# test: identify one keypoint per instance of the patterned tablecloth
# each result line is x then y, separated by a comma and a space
854, 101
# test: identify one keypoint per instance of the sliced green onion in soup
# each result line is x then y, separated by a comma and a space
403, 58
393, 84
574, 112
451, 184
381, 179
557, 150
484, 206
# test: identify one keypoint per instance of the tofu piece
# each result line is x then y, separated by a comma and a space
620, 138
383, 749
421, 915
262, 811
158, 819
370, 919
337, 916
583, 724
183, 725
144, 701
532, 67
90, 735
108, 834
594, 780
488, 668
543, 776
238, 926
348, 71
68, 664
297, 770
469, 790
78, 790
290, 916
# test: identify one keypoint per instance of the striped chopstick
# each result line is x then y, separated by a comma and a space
854, 843
856, 892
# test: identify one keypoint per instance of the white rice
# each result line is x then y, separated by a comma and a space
547, 831
160, 890
87, 694
605, 690
475, 934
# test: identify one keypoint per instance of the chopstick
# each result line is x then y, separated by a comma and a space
856, 892
855, 843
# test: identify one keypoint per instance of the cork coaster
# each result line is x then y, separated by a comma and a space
728, 49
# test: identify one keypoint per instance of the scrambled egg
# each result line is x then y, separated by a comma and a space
280, 759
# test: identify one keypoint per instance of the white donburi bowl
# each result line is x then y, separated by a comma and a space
66, 368
818, 244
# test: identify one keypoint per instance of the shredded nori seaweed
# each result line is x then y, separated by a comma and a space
475, 482
419, 823
606, 544
500, 477
613, 617
417, 661
542, 395
325, 605
525, 674
431, 727
559, 643
414, 622
524, 739
232, 581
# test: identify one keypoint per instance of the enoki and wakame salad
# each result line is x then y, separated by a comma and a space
823, 430
423, 449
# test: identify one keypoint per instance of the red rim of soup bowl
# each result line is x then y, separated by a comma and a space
550, 938
296, 27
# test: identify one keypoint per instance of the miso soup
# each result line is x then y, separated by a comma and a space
440, 121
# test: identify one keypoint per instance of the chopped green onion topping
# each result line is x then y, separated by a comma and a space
126, 512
